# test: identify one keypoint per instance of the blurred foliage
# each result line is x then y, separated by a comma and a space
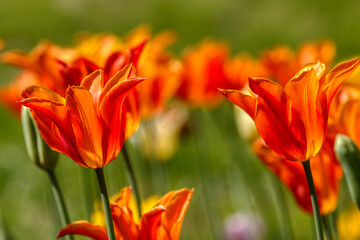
231, 179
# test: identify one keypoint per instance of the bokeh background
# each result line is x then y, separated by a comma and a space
231, 179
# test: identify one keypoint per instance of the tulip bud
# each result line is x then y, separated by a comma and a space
349, 156
38, 151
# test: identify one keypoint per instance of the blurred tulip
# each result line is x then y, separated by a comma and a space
163, 221
203, 73
293, 120
282, 63
40, 69
348, 224
346, 93
87, 124
240, 68
325, 169
158, 137
161, 71
97, 48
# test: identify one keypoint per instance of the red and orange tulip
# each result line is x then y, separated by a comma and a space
293, 119
162, 222
282, 63
240, 68
345, 112
203, 73
162, 73
88, 124
325, 169
40, 69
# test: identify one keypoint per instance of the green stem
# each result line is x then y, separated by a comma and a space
59, 199
132, 178
314, 201
332, 223
327, 229
106, 203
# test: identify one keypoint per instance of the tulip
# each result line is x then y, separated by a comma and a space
163, 221
293, 119
86, 125
203, 73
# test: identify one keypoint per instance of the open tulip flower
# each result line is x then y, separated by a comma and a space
86, 125
282, 62
162, 222
292, 120
326, 172
74, 72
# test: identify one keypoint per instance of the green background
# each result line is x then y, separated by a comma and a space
213, 149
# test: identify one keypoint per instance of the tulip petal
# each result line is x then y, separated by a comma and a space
86, 125
274, 117
337, 76
149, 224
113, 119
93, 83
84, 228
125, 73
176, 204
52, 118
244, 101
303, 91
125, 226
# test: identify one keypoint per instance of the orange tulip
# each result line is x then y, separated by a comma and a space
349, 118
203, 73
293, 119
282, 63
41, 69
343, 116
162, 222
97, 48
73, 74
162, 73
87, 125
240, 68
325, 169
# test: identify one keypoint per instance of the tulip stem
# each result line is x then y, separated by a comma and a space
106, 203
327, 229
59, 199
132, 178
314, 201
330, 218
